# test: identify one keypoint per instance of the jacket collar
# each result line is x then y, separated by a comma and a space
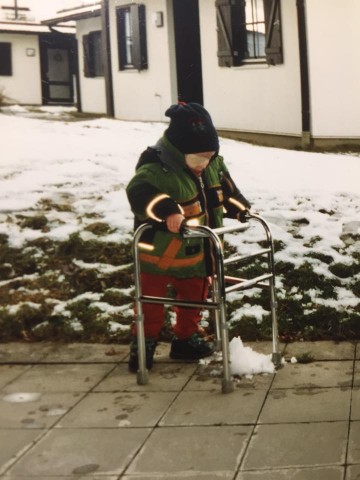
170, 156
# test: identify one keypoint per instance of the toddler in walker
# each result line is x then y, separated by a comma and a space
181, 178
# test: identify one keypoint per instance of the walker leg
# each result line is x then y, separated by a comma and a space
217, 343
276, 355
143, 377
227, 383
276, 359
142, 374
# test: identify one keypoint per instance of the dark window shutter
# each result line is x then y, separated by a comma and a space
5, 59
96, 53
231, 27
138, 20
273, 46
121, 37
88, 64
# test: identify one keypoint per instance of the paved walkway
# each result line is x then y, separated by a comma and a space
73, 411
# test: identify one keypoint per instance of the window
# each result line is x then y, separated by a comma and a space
93, 56
248, 31
255, 29
131, 31
5, 59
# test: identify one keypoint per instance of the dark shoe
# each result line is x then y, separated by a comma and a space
150, 346
191, 348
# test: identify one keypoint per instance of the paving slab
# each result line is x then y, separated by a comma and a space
191, 450
323, 350
86, 353
8, 373
59, 378
187, 476
317, 405
21, 352
357, 374
355, 404
169, 377
354, 443
209, 377
14, 443
66, 477
317, 374
296, 445
215, 408
353, 472
81, 452
125, 409
326, 473
40, 410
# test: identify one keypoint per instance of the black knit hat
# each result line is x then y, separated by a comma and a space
191, 129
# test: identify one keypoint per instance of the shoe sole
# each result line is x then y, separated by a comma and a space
179, 356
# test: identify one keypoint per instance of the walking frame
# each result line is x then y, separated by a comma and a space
219, 291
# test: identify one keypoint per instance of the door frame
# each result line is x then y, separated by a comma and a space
64, 42
187, 44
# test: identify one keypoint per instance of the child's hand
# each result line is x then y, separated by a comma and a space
174, 221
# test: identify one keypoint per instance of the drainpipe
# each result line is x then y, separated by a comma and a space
306, 139
105, 28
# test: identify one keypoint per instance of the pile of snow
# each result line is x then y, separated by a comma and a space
244, 361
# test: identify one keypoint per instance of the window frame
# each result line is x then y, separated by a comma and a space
93, 54
6, 67
132, 49
233, 34
257, 57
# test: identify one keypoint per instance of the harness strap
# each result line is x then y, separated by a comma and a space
168, 259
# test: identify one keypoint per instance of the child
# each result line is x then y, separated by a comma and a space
181, 178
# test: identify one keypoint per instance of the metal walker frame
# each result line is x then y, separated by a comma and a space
219, 290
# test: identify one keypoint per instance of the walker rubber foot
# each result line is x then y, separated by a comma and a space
227, 386
143, 377
276, 359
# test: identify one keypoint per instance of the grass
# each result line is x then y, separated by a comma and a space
46, 293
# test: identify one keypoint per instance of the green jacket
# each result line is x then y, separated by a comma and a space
164, 185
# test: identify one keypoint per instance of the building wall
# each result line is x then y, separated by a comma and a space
253, 98
334, 39
144, 95
24, 86
92, 90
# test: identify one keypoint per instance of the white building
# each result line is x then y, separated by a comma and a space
36, 63
279, 72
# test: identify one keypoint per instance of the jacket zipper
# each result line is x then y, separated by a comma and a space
202, 186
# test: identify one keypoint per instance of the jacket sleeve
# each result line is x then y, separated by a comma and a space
147, 201
234, 201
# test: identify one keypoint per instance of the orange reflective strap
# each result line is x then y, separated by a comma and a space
168, 259
170, 253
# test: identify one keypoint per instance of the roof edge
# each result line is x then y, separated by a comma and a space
79, 13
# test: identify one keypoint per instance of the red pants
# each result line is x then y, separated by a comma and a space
186, 289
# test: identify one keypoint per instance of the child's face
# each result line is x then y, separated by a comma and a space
197, 162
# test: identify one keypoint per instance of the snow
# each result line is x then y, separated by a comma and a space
101, 268
244, 361
86, 166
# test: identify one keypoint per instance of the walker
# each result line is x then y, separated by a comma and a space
219, 291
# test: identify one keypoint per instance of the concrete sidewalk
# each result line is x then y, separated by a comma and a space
74, 411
